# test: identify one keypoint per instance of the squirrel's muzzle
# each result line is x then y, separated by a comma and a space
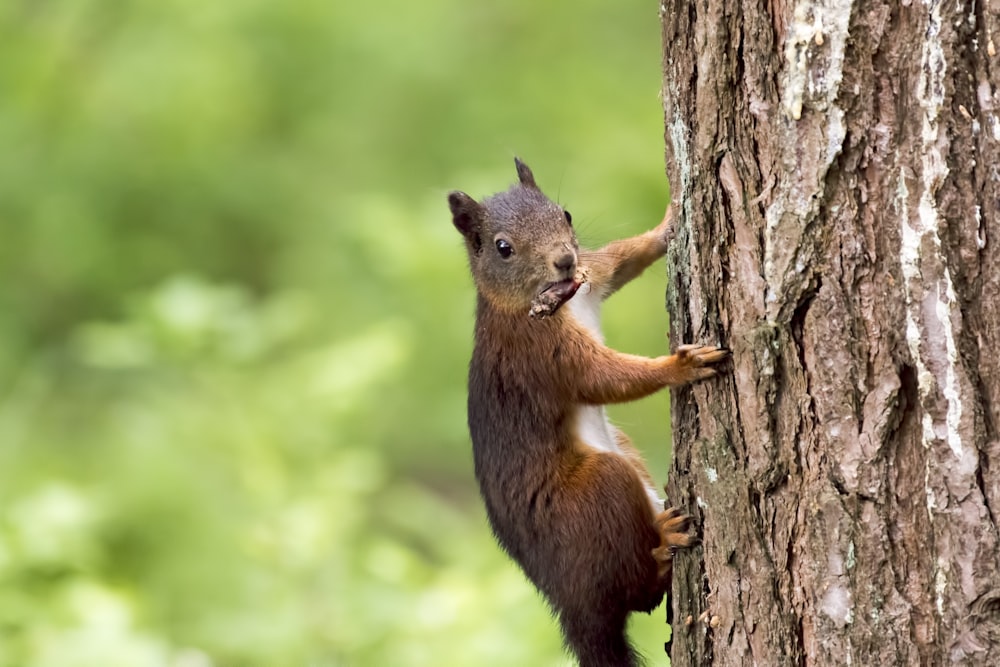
565, 263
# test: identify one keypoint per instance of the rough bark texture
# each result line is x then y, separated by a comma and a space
837, 165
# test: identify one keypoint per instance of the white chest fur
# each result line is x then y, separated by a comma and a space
586, 308
592, 425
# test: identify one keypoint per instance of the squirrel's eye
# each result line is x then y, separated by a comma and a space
568, 217
504, 248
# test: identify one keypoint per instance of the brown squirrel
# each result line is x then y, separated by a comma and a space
567, 495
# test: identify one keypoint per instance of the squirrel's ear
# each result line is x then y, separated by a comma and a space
466, 215
524, 174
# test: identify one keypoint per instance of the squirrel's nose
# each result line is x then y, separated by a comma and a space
565, 262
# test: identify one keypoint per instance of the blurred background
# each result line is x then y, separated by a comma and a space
235, 318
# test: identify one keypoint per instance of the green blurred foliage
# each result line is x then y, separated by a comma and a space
235, 318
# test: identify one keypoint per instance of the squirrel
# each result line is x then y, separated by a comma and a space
567, 495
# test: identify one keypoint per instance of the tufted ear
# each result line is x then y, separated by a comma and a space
467, 216
524, 174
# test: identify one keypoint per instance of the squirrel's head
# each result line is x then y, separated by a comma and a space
521, 245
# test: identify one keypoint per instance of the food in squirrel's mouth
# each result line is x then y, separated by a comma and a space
553, 296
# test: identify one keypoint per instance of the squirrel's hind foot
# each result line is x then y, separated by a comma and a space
672, 525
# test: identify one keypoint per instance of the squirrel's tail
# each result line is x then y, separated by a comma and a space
599, 641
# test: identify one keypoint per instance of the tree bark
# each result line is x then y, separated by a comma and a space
836, 168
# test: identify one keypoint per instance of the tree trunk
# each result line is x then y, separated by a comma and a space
836, 166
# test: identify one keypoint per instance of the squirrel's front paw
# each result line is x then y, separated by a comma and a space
665, 232
696, 362
672, 525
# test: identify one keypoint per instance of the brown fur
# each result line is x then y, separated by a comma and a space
579, 521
